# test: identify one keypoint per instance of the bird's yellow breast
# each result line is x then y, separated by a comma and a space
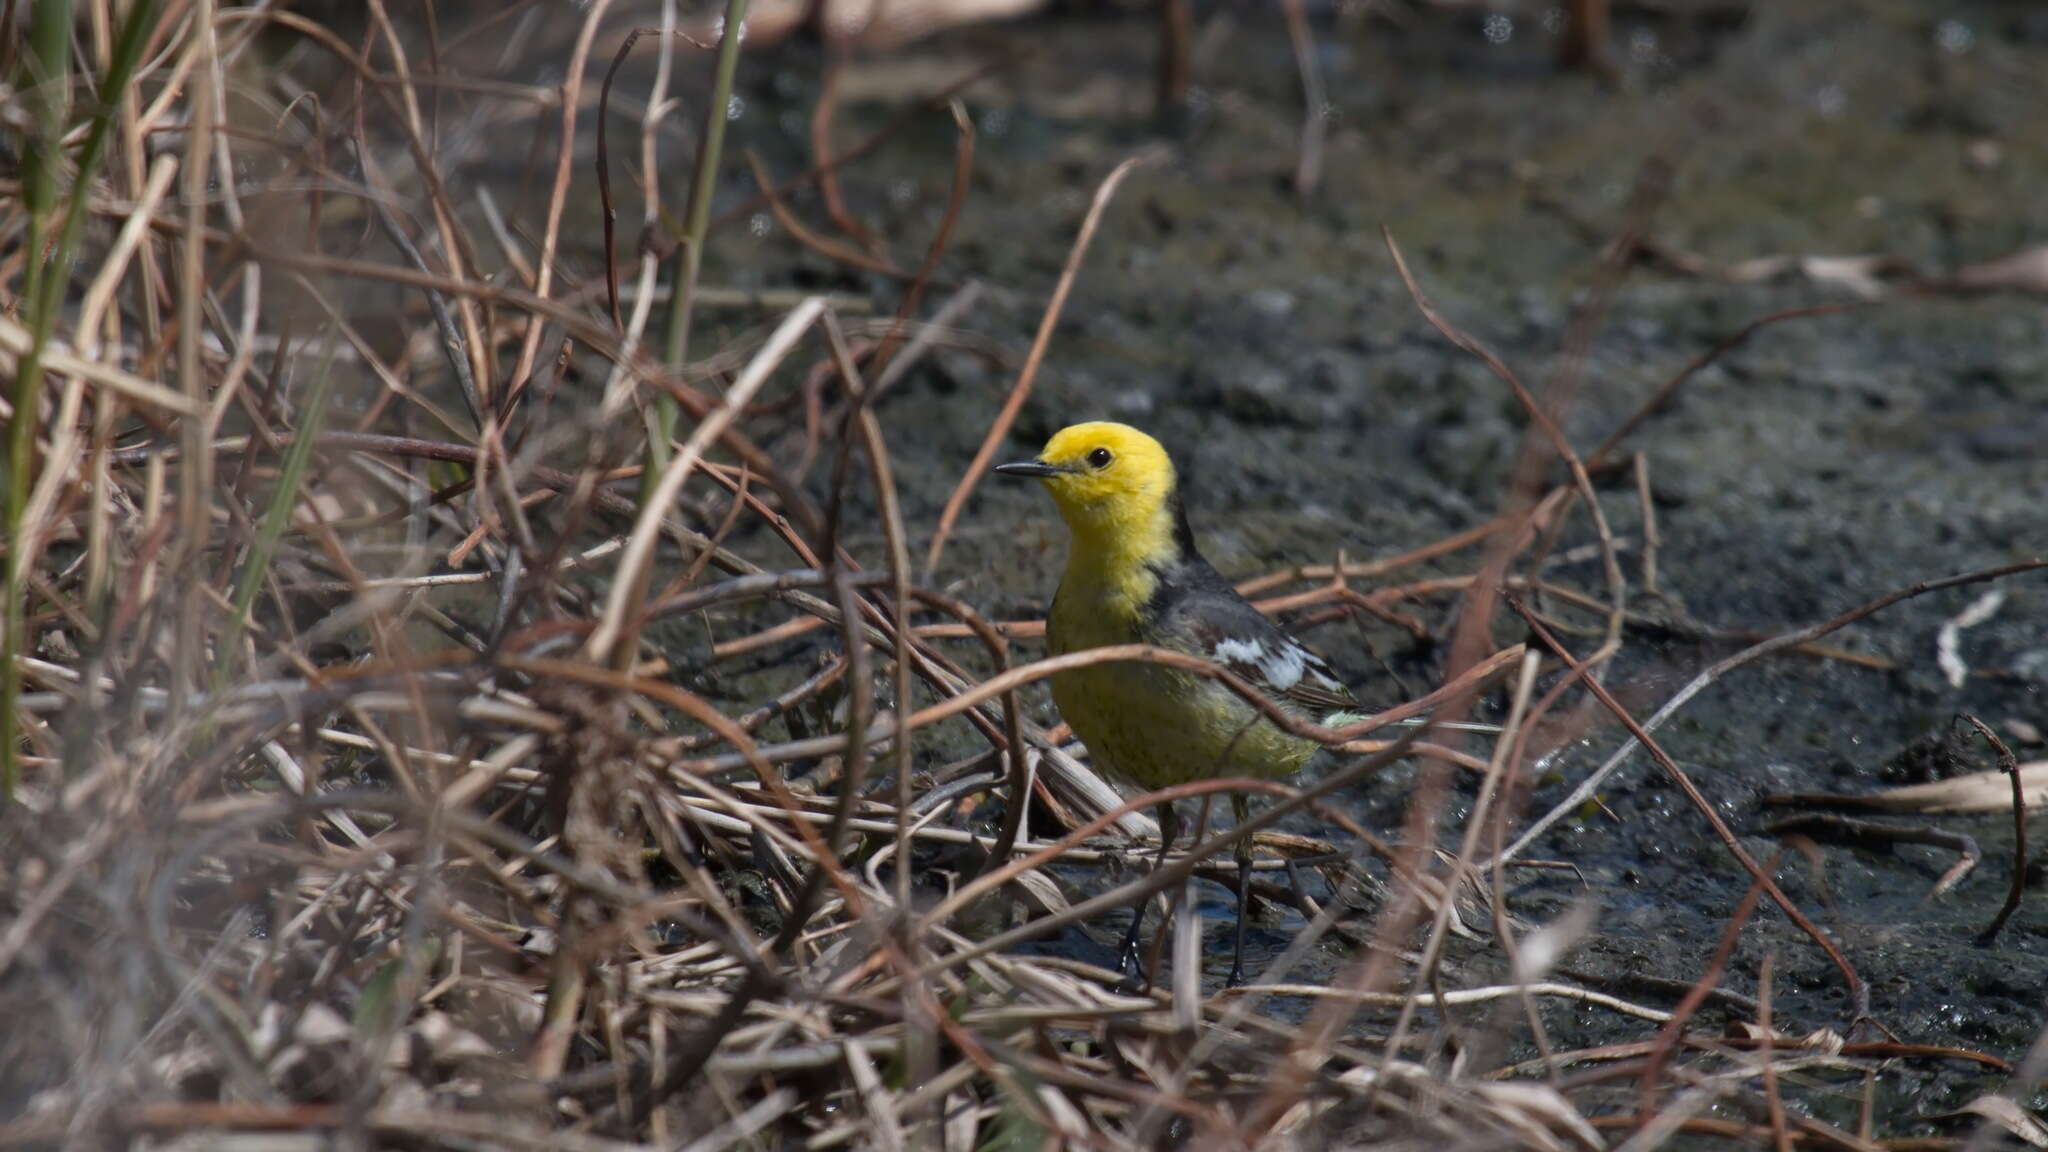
1154, 725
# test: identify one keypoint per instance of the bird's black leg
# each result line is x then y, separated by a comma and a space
1127, 956
1241, 809
1127, 952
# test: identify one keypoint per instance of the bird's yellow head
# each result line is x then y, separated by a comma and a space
1114, 486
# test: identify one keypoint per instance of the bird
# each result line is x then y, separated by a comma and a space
1135, 575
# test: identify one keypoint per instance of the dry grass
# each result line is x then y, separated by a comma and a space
353, 790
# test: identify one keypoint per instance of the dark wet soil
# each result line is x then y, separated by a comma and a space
1268, 341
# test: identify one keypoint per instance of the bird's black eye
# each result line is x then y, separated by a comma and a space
1099, 458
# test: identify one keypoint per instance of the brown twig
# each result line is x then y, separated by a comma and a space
1871, 831
1308, 166
1020, 391
1667, 1036
1176, 49
2010, 765
1781, 1136
885, 133
1662, 397
604, 168
825, 246
1543, 418
821, 148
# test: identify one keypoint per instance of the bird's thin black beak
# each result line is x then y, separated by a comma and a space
1028, 468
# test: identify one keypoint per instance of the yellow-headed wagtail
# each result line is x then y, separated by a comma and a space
1134, 576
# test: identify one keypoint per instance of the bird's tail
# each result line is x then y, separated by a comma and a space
1341, 719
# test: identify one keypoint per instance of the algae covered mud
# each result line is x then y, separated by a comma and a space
1813, 155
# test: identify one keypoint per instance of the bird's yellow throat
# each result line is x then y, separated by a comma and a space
1114, 544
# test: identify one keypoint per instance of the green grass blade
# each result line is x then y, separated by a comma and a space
697, 223
50, 42
278, 516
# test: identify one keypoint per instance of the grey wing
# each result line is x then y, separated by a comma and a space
1218, 624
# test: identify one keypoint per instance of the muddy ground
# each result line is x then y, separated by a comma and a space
1269, 342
